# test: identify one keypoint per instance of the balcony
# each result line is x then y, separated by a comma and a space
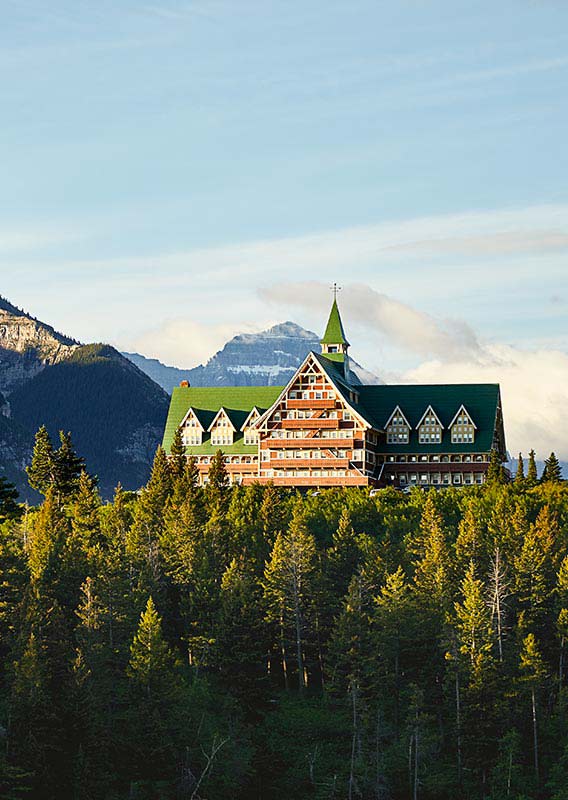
306, 463
312, 443
327, 403
308, 424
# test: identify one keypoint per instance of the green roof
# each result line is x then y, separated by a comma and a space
238, 402
334, 333
481, 400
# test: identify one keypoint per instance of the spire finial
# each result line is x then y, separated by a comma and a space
335, 288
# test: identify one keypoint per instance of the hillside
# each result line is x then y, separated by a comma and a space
268, 358
115, 413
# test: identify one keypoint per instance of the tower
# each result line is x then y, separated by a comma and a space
334, 344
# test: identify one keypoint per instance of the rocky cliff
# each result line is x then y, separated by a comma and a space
27, 346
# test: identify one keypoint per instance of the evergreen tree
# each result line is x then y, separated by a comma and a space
68, 467
533, 673
9, 508
288, 588
218, 484
474, 625
177, 456
532, 474
552, 472
151, 663
520, 473
41, 471
154, 718
495, 472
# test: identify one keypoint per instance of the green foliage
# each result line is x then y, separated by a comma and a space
9, 509
251, 642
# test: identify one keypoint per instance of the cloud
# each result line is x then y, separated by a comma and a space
534, 383
24, 240
184, 342
534, 386
410, 329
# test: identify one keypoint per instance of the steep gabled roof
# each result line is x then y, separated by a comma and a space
398, 410
221, 413
334, 333
206, 403
463, 409
255, 411
481, 400
432, 413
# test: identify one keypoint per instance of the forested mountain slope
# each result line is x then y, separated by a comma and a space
113, 410
115, 413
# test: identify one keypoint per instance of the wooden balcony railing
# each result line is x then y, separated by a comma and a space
312, 443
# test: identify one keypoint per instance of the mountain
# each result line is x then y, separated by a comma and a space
268, 358
27, 346
114, 411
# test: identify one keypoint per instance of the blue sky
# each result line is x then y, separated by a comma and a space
173, 173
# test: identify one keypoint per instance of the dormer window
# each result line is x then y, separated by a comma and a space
222, 429
248, 427
397, 428
191, 430
463, 427
430, 428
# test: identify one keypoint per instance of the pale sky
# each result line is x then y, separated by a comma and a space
174, 173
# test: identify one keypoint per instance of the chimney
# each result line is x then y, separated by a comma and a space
184, 384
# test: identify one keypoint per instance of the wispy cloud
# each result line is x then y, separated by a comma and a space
37, 238
410, 329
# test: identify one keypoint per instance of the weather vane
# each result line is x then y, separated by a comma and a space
335, 288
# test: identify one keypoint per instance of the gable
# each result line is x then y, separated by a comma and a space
206, 401
482, 402
321, 369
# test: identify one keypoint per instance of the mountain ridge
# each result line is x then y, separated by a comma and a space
266, 358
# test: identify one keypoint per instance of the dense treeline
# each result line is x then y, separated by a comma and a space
256, 643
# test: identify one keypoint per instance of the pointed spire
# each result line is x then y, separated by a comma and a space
334, 333
334, 344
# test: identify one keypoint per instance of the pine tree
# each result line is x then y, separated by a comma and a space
177, 458
562, 618
216, 491
520, 473
144, 535
495, 472
474, 624
155, 713
68, 467
288, 588
49, 533
151, 662
85, 512
533, 673
344, 555
552, 472
41, 472
9, 508
532, 474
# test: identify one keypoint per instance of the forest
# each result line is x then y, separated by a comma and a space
187, 643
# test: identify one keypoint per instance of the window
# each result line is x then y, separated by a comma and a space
347, 415
463, 429
430, 428
398, 429
251, 436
